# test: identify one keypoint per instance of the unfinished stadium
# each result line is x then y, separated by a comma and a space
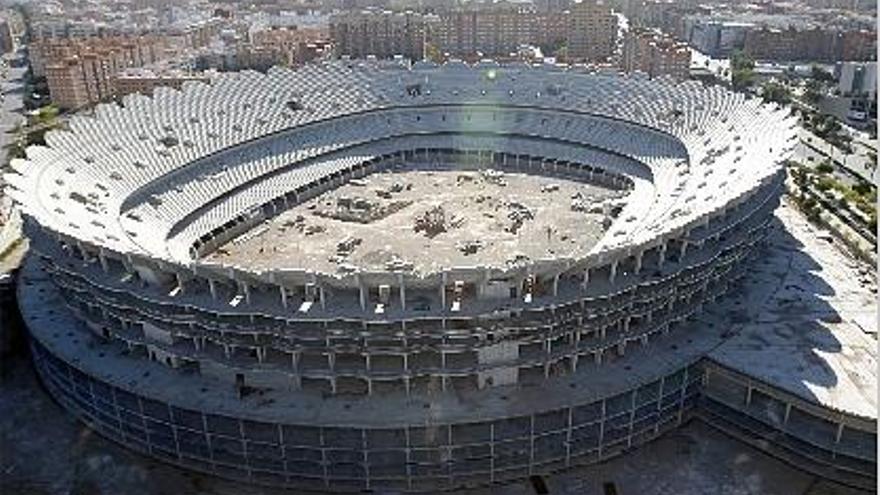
366, 276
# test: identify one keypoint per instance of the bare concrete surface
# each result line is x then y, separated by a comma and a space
43, 451
424, 221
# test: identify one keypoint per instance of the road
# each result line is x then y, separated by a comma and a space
813, 150
11, 108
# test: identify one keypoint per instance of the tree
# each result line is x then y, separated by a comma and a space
825, 167
742, 70
433, 53
776, 93
821, 75
813, 91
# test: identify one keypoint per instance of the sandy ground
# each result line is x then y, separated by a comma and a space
477, 208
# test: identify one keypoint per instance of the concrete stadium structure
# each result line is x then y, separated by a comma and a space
416, 376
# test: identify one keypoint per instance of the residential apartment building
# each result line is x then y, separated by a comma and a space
6, 43
813, 44
858, 79
495, 31
291, 45
81, 71
592, 31
383, 34
589, 30
651, 52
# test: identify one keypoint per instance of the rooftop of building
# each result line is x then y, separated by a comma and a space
816, 333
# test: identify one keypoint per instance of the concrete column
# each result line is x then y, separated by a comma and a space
683, 250
283, 292
556, 285
443, 290
362, 297
82, 251
586, 277
247, 293
639, 256
598, 357
662, 255
321, 296
213, 287
613, 274
402, 284
103, 260
621, 348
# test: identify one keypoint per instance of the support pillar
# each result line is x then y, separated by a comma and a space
103, 260
213, 288
283, 292
402, 284
639, 256
662, 255
362, 297
443, 291
555, 285
613, 274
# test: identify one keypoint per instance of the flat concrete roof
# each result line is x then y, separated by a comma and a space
478, 210
815, 333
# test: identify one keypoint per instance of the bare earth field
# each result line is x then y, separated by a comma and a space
423, 221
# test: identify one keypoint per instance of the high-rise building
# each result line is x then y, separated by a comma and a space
858, 79
80, 71
6, 44
592, 31
655, 54
496, 31
382, 34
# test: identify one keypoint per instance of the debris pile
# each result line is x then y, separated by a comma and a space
517, 215
494, 177
347, 246
470, 247
397, 264
395, 188
359, 209
435, 221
